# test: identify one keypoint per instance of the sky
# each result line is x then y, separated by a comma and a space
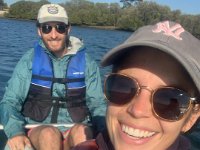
185, 6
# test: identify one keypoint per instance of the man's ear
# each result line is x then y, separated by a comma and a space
39, 32
195, 114
68, 29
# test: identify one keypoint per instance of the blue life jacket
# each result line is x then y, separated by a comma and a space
40, 100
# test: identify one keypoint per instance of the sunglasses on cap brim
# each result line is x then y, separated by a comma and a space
168, 103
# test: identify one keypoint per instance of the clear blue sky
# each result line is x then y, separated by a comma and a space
186, 6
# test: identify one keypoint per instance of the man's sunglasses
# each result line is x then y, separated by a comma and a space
60, 28
168, 103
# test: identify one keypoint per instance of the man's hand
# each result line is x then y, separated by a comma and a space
19, 142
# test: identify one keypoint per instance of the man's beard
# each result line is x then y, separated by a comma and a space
62, 47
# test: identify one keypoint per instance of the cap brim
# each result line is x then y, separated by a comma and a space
53, 19
114, 55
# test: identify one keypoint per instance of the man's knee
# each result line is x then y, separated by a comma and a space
46, 137
50, 132
82, 130
44, 133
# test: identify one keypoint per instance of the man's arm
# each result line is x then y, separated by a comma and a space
94, 94
13, 99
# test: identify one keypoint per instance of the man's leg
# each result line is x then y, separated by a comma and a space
77, 134
46, 138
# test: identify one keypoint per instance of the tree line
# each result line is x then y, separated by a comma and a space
84, 12
3, 5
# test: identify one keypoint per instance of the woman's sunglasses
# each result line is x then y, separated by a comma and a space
168, 103
60, 28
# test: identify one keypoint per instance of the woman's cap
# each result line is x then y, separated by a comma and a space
52, 12
167, 36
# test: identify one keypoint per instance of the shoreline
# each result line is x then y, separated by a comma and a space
87, 26
104, 27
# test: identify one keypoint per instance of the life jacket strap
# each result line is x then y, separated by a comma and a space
58, 80
57, 104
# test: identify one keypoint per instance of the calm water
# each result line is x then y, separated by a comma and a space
16, 37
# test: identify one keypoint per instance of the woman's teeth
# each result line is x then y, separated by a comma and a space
137, 133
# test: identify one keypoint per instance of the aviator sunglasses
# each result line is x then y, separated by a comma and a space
60, 28
168, 103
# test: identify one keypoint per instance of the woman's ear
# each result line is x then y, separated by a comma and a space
195, 114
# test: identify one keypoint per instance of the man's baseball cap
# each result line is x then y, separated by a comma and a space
167, 36
52, 12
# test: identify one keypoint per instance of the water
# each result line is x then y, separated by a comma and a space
16, 37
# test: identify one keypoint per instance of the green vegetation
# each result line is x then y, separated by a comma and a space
3, 5
138, 13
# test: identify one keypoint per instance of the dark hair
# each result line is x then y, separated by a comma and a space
37, 24
68, 43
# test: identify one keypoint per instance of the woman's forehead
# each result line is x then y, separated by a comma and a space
157, 62
148, 58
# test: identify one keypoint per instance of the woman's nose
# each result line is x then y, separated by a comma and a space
140, 105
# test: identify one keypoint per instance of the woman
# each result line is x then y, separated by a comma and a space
153, 92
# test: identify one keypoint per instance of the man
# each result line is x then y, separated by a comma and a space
153, 91
55, 82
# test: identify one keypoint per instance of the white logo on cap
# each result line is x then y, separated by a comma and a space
174, 31
53, 9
